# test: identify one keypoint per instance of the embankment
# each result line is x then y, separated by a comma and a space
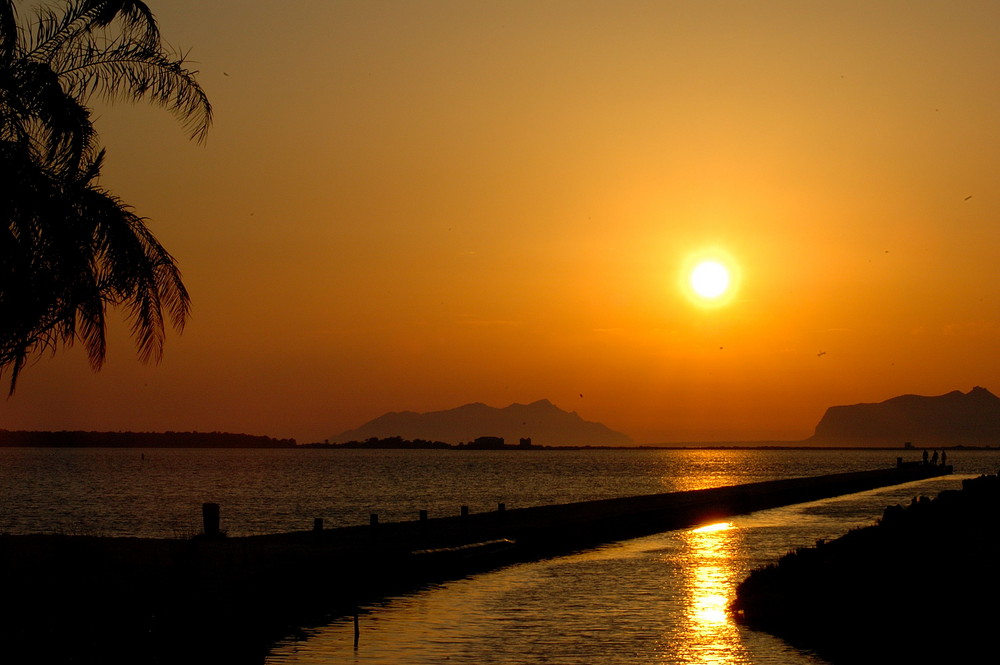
77, 599
918, 587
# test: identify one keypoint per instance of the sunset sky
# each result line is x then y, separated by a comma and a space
413, 205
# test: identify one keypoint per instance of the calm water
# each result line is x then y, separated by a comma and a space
158, 493
659, 599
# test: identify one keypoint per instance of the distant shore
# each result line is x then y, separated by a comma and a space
82, 439
91, 439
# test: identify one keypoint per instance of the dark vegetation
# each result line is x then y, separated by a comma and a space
921, 586
77, 439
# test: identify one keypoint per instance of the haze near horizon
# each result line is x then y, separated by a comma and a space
413, 206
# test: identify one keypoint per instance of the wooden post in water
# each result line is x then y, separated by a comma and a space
210, 519
373, 519
465, 519
357, 629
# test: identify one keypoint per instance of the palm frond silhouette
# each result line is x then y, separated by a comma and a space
68, 247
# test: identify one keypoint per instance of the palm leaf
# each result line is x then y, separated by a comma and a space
132, 72
53, 31
68, 248
8, 30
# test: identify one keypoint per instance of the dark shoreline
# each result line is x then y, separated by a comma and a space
215, 440
225, 440
918, 587
226, 600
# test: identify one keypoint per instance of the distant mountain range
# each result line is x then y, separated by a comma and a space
953, 419
543, 422
956, 418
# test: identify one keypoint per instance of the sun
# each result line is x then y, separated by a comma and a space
710, 279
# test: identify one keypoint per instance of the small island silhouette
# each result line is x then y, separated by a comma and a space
542, 421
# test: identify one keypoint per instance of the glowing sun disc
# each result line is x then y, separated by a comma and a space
710, 279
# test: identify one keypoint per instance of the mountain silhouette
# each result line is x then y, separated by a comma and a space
956, 418
543, 422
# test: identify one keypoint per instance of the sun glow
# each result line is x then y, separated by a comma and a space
710, 279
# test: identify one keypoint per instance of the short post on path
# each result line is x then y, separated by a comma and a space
210, 519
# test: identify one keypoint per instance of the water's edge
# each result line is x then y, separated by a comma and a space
227, 599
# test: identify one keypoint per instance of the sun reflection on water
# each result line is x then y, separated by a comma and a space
710, 577
710, 528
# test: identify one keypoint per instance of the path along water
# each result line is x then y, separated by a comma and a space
658, 599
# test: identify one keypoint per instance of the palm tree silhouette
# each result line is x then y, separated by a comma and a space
68, 247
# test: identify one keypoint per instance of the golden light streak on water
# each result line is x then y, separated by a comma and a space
709, 528
709, 580
709, 609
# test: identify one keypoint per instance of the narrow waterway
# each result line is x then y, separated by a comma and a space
658, 599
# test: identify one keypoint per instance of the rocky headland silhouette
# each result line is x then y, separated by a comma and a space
542, 422
952, 419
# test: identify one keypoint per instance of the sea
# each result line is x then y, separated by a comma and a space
658, 599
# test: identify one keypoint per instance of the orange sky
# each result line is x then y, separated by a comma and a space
415, 205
